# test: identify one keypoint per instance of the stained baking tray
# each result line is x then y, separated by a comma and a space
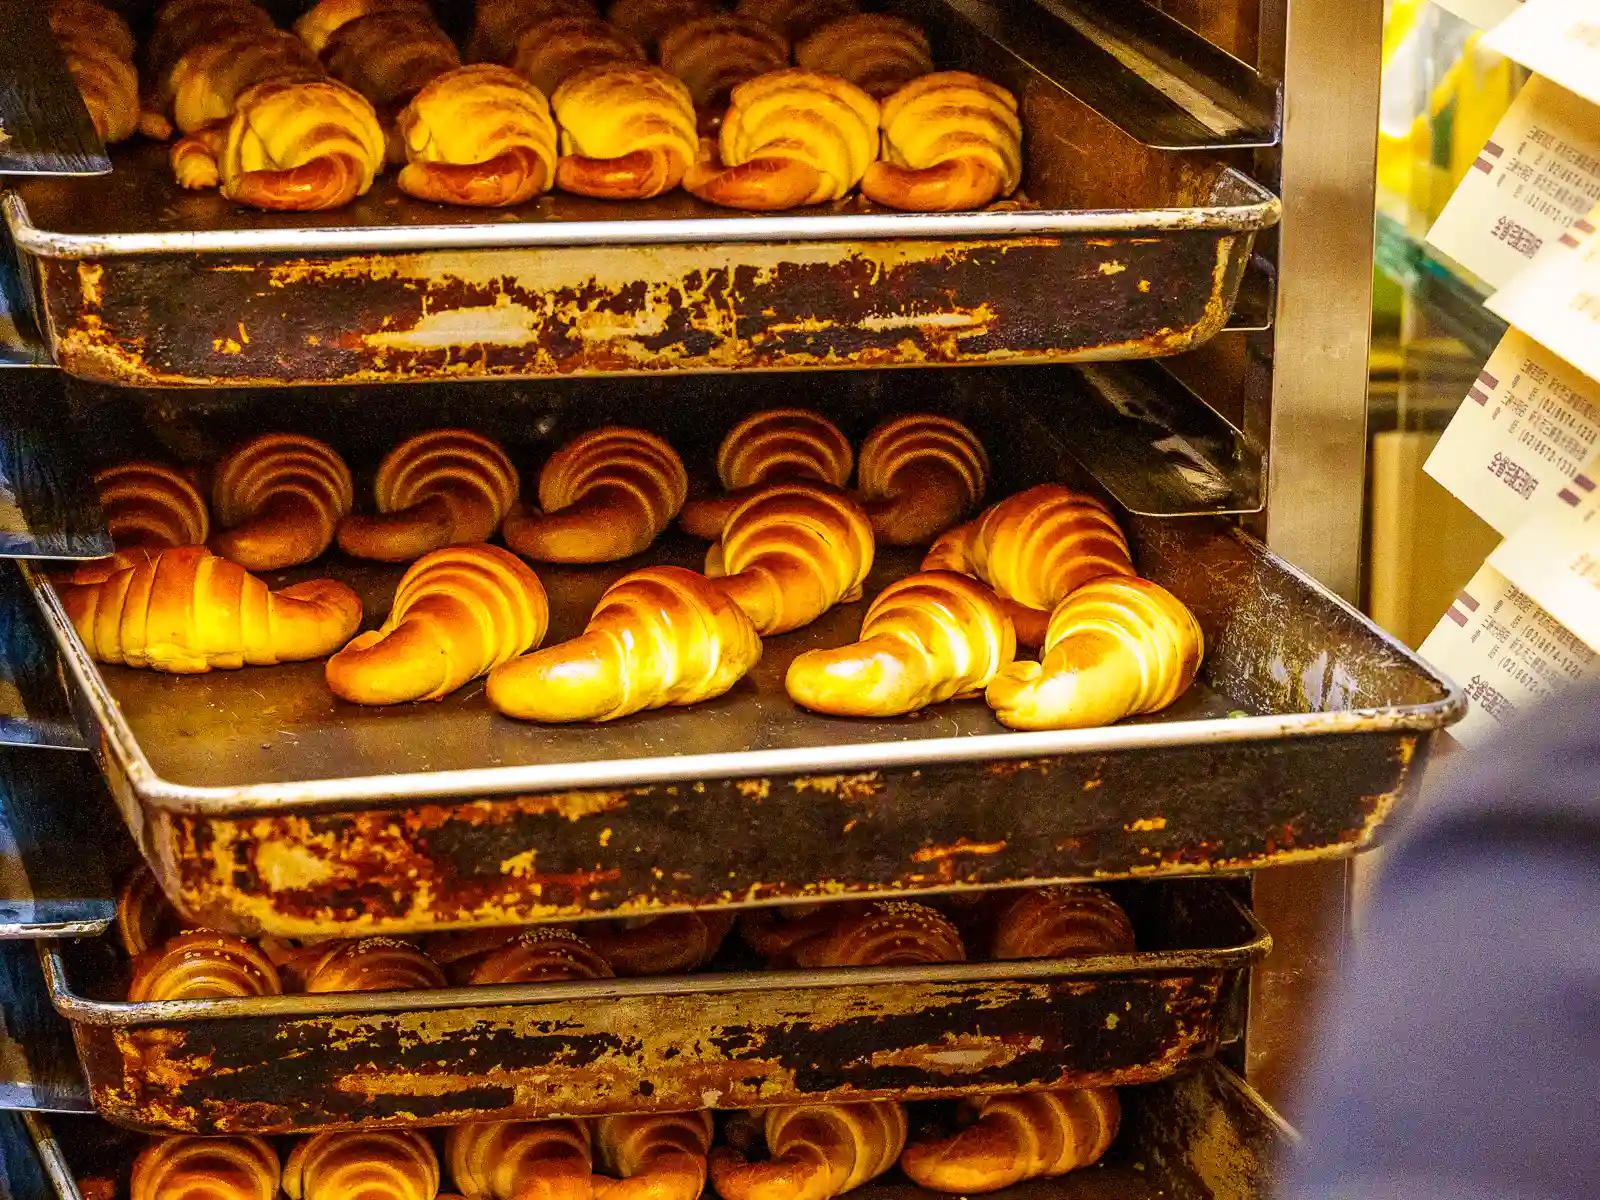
1126, 252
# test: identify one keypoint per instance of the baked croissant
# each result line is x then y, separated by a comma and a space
714, 54
659, 636
457, 613
653, 1156
496, 24
541, 956
927, 638
627, 132
791, 552
889, 933
377, 1164
152, 505
374, 964
551, 51
203, 966
606, 495
91, 19
390, 56
1116, 647
186, 1167
790, 137
876, 52
279, 497
207, 83
1060, 922
671, 944
322, 20
775, 446
440, 488
647, 21
920, 474
520, 1160
97, 47
144, 917
186, 26
185, 611
950, 141
797, 19
480, 136
816, 1151
1017, 1137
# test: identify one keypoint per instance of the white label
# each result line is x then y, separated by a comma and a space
1555, 558
1556, 301
1559, 39
1506, 652
1485, 14
1537, 174
1528, 425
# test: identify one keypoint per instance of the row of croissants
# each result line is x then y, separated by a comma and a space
554, 97
1047, 567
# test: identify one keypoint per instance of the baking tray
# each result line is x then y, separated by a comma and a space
1128, 252
737, 1038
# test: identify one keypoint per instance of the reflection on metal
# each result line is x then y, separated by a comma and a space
1258, 296
34, 709
46, 128
50, 800
48, 506
38, 1063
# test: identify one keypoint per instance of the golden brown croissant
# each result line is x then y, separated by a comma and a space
496, 24
92, 20
199, 27
390, 56
817, 1151
373, 964
97, 47
791, 552
295, 963
1060, 922
889, 933
714, 54
1017, 1137
920, 474
876, 52
150, 504
440, 488
927, 638
790, 137
671, 944
145, 919
646, 21
203, 966
775, 446
520, 1160
379, 1164
325, 18
659, 636
606, 495
185, 1167
949, 554
797, 19
653, 1156
556, 48
1116, 647
186, 611
627, 132
541, 956
457, 613
279, 497
951, 141
208, 81
480, 136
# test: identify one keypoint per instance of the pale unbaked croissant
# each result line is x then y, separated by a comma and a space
1116, 647
774, 446
671, 944
659, 636
184, 610
797, 19
605, 495
145, 919
97, 47
279, 498
920, 474
653, 1156
927, 638
1060, 922
440, 488
950, 141
496, 24
325, 18
186, 1167
877, 52
790, 552
816, 1151
1016, 1137
373, 964
541, 956
151, 504
627, 132
553, 50
378, 1164
646, 21
479, 135
203, 966
457, 613
790, 137
520, 1160
715, 53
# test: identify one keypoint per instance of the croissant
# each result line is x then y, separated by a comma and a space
540, 956
671, 944
774, 932
207, 83
659, 636
920, 474
791, 552
949, 554
556, 48
520, 1160
97, 47
496, 24
790, 137
203, 966
280, 497
885, 934
927, 638
322, 20
379, 1164
606, 495
457, 613
646, 21
185, 611
950, 141
185, 26
817, 1151
480, 136
440, 488
1116, 647
144, 917
654, 1156
390, 56
93, 20
1060, 922
714, 54
876, 52
775, 446
1017, 1137
152, 505
627, 132
295, 963
185, 1167
797, 19
374, 964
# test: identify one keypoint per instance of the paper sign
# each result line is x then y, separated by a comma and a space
1527, 426
1559, 39
1485, 14
1555, 557
1506, 652
1534, 177
1556, 301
